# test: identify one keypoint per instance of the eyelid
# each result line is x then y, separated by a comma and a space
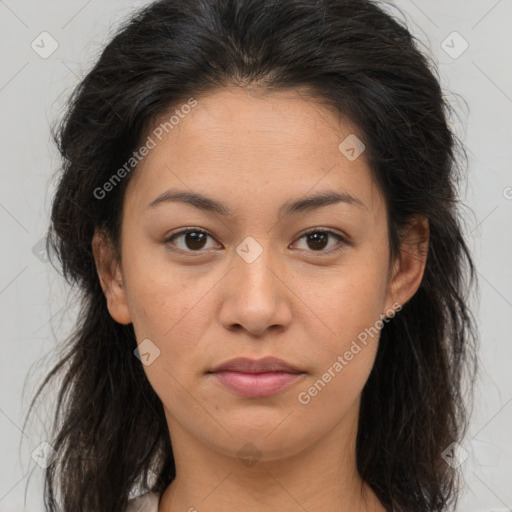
343, 240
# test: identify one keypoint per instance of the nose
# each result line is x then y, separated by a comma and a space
256, 296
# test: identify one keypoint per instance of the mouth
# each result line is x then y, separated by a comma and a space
265, 365
256, 378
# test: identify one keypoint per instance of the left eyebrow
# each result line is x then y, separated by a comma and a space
305, 204
319, 200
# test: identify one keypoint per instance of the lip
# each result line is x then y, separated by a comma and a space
264, 365
256, 378
256, 385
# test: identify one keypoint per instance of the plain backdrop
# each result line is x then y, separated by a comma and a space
471, 42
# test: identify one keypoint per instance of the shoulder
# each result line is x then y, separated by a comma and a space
147, 502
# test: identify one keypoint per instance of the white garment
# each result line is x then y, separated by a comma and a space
148, 502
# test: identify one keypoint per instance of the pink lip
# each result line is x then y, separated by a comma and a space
256, 385
247, 365
256, 378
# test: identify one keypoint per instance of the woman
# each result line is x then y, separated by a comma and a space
258, 204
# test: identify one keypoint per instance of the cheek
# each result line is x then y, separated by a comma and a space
349, 304
350, 299
332, 393
169, 308
173, 318
164, 311
343, 359
156, 298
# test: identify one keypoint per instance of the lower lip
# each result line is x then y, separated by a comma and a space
256, 385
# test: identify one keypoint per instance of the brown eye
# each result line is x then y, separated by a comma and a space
193, 240
317, 240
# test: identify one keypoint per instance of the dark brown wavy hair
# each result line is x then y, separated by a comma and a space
110, 434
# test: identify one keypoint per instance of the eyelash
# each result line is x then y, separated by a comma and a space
314, 230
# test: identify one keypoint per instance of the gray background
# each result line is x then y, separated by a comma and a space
33, 298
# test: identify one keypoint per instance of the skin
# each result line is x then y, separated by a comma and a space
253, 152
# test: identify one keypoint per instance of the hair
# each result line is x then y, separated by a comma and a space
110, 432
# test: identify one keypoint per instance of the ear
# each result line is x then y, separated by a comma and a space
408, 269
110, 276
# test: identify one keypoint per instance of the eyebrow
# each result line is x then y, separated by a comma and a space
305, 204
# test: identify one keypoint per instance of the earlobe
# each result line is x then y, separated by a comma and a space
110, 276
408, 269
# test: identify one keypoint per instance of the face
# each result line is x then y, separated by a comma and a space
255, 276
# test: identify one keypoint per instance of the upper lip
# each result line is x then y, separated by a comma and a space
264, 365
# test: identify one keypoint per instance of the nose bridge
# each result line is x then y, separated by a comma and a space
254, 262
256, 298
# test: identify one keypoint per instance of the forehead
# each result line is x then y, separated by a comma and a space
240, 142
278, 119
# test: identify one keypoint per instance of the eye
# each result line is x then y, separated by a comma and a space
194, 239
317, 239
